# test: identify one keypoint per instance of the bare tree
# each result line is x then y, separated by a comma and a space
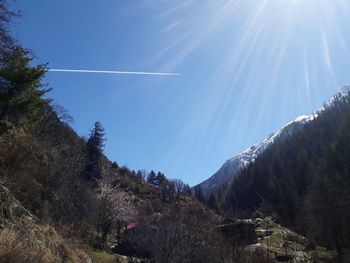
181, 234
115, 207
179, 186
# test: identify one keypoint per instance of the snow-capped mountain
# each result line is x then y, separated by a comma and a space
232, 166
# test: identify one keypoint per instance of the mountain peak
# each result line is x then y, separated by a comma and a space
346, 88
232, 166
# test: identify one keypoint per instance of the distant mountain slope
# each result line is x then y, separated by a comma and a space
302, 178
232, 166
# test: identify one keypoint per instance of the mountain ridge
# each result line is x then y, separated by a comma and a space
232, 166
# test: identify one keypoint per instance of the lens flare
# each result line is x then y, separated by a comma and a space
263, 53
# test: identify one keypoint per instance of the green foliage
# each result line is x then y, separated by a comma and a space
156, 179
21, 90
21, 93
94, 149
96, 140
6, 15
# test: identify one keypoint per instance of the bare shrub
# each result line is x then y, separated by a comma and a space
181, 234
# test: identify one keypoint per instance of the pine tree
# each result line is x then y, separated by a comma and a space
213, 203
21, 89
94, 148
186, 190
198, 193
152, 178
156, 179
161, 178
96, 140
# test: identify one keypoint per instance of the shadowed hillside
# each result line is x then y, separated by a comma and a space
303, 180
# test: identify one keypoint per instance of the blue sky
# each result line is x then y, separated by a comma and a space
247, 67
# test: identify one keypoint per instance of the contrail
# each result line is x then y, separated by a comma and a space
113, 72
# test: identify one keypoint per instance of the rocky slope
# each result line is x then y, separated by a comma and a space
23, 237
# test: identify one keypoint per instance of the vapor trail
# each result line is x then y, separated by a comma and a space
113, 72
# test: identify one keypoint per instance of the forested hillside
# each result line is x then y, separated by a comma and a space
303, 180
62, 200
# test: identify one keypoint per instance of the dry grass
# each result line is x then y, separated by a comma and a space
16, 249
26, 247
101, 257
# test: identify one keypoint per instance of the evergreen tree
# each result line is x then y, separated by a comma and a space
96, 140
160, 178
186, 190
198, 193
152, 178
157, 179
141, 175
94, 148
213, 203
6, 16
21, 89
115, 165
303, 179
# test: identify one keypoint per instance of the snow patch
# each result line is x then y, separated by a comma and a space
249, 155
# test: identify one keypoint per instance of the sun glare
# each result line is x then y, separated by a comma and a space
274, 43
